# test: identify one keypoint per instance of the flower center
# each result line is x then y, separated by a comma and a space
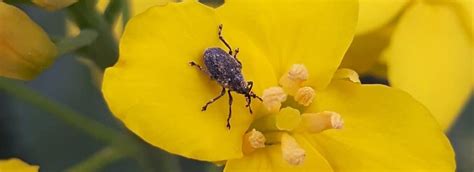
284, 117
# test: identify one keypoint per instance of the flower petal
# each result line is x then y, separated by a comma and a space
374, 14
384, 130
313, 33
430, 57
465, 9
366, 50
25, 49
270, 159
159, 96
16, 165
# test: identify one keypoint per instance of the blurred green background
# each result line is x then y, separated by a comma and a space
40, 138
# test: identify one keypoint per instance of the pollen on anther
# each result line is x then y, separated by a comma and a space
294, 78
317, 122
305, 96
291, 150
253, 140
298, 72
336, 121
272, 98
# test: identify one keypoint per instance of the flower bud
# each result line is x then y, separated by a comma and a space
15, 164
25, 49
53, 5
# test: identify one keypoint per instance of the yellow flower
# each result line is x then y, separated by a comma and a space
428, 50
25, 49
158, 96
16, 165
53, 5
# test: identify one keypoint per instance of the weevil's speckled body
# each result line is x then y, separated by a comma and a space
225, 69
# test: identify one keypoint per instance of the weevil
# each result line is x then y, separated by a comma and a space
226, 69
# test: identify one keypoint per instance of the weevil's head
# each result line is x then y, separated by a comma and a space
248, 91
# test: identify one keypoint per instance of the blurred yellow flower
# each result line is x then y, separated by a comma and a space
53, 5
25, 49
158, 96
16, 165
428, 50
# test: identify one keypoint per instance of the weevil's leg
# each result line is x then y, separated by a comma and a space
259, 98
252, 94
230, 109
255, 96
213, 100
223, 40
248, 96
235, 55
249, 102
197, 66
250, 85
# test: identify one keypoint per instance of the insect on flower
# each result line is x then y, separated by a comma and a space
226, 69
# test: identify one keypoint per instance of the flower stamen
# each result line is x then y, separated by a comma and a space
272, 98
291, 150
294, 78
305, 96
253, 140
317, 122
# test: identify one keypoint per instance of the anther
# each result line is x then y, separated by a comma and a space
305, 96
294, 78
348, 74
253, 140
272, 98
317, 122
291, 150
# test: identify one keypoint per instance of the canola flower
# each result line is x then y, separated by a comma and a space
313, 116
25, 49
427, 47
17, 165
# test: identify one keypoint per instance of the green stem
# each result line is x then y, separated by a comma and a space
99, 160
62, 112
18, 2
113, 11
214, 168
127, 145
125, 12
104, 50
70, 44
